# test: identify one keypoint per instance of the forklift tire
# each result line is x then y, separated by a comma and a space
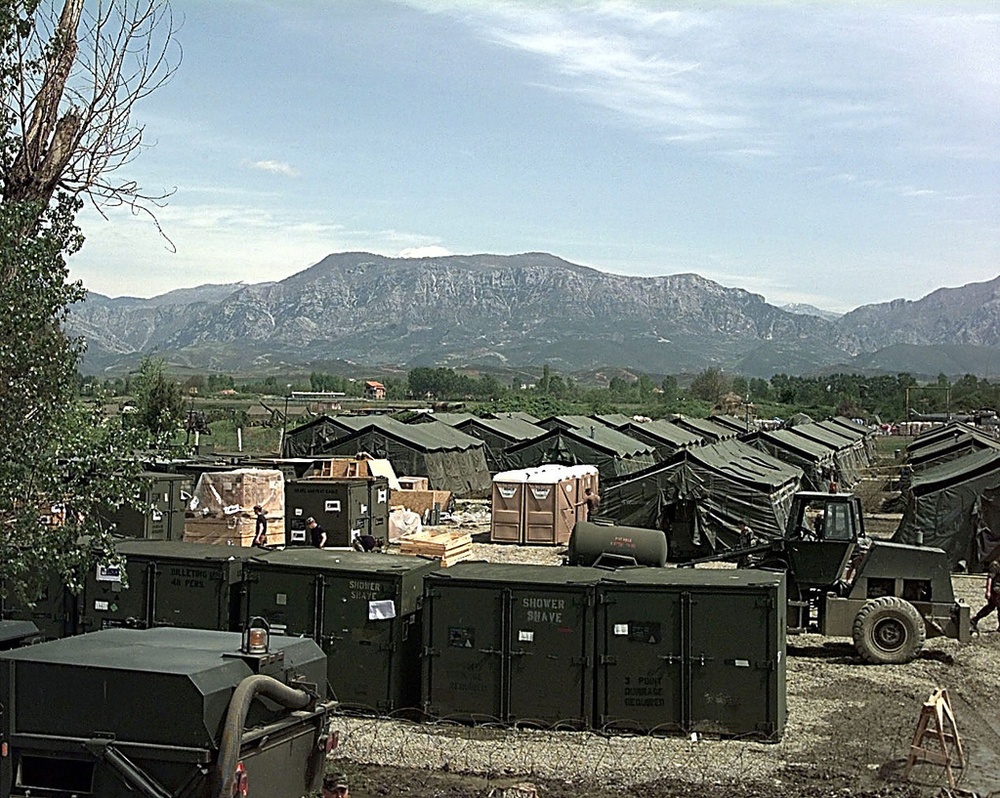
888, 631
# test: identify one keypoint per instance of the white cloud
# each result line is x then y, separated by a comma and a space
275, 168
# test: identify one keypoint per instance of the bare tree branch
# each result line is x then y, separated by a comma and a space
81, 74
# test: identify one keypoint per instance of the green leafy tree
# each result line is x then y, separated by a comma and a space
65, 128
159, 400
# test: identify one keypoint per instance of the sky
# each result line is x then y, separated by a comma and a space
830, 153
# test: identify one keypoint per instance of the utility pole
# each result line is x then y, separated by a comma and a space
284, 421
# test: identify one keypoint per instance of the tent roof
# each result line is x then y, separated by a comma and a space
572, 421
850, 425
841, 430
815, 432
602, 438
666, 431
514, 429
429, 437
743, 463
451, 419
613, 420
707, 429
946, 445
517, 414
932, 436
786, 439
953, 472
737, 425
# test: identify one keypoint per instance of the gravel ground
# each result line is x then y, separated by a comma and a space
848, 731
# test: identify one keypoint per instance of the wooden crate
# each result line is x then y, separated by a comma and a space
234, 531
448, 547
420, 501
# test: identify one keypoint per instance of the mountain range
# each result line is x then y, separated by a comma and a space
523, 311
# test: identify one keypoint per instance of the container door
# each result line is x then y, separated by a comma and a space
379, 500
359, 621
464, 663
192, 594
108, 604
640, 673
508, 509
566, 509
285, 598
540, 511
732, 663
550, 649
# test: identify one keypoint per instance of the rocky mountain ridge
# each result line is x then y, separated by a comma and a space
517, 310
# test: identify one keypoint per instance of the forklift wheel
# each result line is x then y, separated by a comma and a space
888, 631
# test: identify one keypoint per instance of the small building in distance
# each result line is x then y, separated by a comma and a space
374, 390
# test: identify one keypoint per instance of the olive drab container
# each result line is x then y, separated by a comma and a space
691, 650
510, 643
122, 713
363, 608
170, 583
54, 611
345, 507
161, 514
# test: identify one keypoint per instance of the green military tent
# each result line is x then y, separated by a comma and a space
611, 451
499, 434
699, 496
664, 436
705, 428
450, 459
955, 506
848, 455
815, 459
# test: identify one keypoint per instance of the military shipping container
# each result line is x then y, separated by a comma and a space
53, 612
160, 512
345, 507
692, 651
170, 583
510, 643
364, 609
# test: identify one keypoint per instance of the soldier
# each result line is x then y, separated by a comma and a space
260, 526
593, 500
317, 535
335, 786
992, 595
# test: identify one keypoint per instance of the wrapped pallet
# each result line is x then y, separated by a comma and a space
221, 508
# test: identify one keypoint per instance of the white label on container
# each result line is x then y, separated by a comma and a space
540, 493
621, 629
507, 493
231, 509
298, 512
298, 535
281, 599
157, 515
101, 605
109, 573
525, 636
364, 509
742, 663
332, 506
384, 610
383, 495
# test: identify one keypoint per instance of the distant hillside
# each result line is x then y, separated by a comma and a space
810, 310
489, 311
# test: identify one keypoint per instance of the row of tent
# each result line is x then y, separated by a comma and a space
696, 479
951, 491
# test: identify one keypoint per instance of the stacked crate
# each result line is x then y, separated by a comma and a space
221, 509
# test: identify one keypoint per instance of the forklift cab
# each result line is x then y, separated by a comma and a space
824, 532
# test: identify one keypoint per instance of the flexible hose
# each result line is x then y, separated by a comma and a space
236, 716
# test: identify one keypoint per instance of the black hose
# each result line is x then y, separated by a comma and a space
236, 716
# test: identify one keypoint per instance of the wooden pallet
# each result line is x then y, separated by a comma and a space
448, 547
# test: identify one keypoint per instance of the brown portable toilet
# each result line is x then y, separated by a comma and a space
507, 521
549, 509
